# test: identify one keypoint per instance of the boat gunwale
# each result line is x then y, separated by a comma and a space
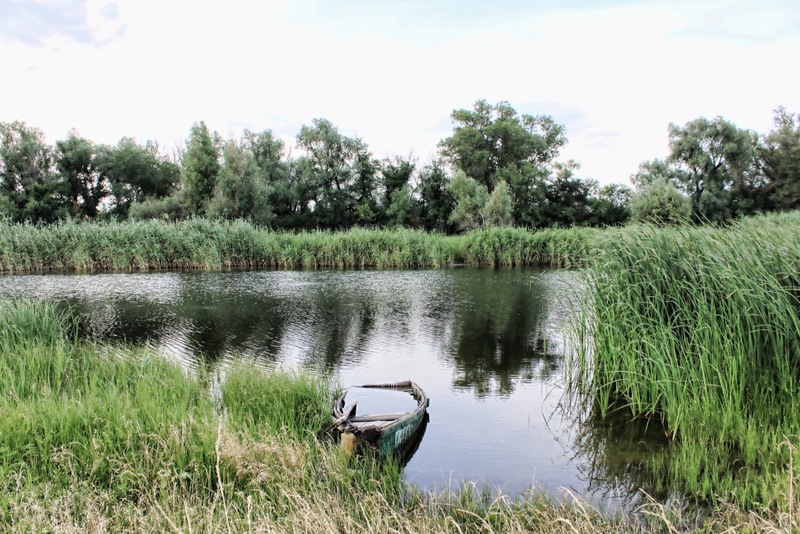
392, 420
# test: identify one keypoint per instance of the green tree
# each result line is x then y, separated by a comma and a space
611, 206
489, 138
292, 196
566, 198
660, 202
288, 192
163, 208
717, 164
470, 197
77, 165
403, 208
779, 155
341, 173
498, 208
135, 173
436, 200
239, 192
200, 170
656, 170
528, 189
30, 189
396, 174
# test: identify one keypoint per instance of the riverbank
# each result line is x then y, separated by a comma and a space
99, 438
212, 245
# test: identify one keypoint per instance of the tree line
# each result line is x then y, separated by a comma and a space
497, 168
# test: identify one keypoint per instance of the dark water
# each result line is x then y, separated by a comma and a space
486, 345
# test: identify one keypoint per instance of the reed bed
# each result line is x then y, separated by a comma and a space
72, 246
699, 327
106, 439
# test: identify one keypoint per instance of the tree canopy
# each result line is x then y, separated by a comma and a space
497, 168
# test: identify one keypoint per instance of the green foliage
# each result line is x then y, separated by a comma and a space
341, 175
493, 144
779, 154
77, 165
241, 190
135, 173
498, 208
656, 170
470, 198
29, 186
490, 138
165, 208
436, 200
200, 169
611, 206
717, 164
403, 209
567, 198
660, 202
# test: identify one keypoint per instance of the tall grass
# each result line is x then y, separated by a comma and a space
203, 244
700, 328
104, 439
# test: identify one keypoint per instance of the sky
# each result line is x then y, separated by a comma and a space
616, 73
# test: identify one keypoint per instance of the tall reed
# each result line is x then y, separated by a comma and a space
700, 327
203, 244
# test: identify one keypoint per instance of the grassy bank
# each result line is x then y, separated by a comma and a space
205, 244
95, 439
700, 328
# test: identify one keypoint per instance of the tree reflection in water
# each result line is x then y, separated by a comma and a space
498, 335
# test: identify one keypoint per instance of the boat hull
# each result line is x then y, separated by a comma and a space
391, 434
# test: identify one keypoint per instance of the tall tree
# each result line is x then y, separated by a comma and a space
779, 155
342, 173
566, 198
528, 187
436, 200
489, 138
611, 206
403, 208
200, 169
470, 197
498, 208
717, 161
136, 173
396, 175
30, 189
76, 161
239, 193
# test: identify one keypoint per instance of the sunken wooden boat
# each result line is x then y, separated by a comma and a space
396, 434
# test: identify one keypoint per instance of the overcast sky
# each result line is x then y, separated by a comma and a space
614, 72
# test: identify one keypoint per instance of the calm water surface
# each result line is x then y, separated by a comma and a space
486, 345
